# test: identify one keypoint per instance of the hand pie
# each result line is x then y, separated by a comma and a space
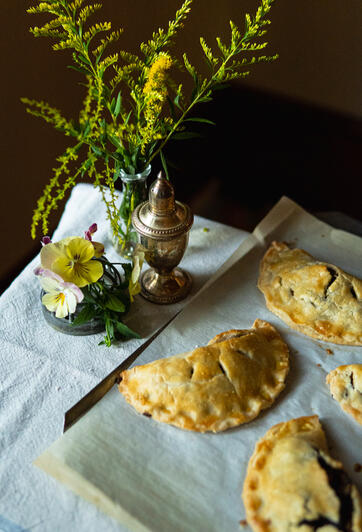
315, 298
345, 384
293, 484
215, 387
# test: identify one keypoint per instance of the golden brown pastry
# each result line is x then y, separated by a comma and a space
215, 387
315, 298
293, 485
345, 384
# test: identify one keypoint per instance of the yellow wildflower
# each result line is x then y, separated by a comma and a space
71, 258
157, 74
155, 91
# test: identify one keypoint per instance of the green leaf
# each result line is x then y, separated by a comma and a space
86, 129
88, 296
85, 71
220, 86
86, 314
118, 105
164, 164
176, 101
83, 58
114, 303
203, 120
114, 140
109, 331
152, 147
127, 118
125, 331
172, 107
134, 156
205, 99
85, 166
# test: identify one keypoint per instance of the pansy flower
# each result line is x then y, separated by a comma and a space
71, 258
98, 247
60, 297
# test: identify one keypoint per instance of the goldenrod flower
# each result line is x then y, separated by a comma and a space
71, 258
60, 297
155, 91
157, 74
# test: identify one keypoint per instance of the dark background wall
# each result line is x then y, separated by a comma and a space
294, 127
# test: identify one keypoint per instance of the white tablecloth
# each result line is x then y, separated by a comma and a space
43, 372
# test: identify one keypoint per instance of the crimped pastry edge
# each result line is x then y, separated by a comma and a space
276, 246
232, 333
336, 375
265, 445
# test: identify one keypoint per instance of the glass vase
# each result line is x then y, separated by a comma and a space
134, 192
65, 325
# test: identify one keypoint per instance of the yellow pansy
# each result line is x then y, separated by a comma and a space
71, 258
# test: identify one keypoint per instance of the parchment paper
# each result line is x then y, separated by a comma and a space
151, 476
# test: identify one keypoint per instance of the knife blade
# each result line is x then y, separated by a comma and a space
93, 396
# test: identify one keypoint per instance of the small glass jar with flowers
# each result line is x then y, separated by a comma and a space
82, 291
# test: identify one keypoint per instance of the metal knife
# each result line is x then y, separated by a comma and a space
94, 395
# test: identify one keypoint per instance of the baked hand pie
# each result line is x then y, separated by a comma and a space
313, 297
345, 384
215, 387
293, 484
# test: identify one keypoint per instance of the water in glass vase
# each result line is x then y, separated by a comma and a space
134, 192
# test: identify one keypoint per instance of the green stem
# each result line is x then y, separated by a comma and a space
192, 104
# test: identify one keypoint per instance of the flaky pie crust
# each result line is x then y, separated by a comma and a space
214, 387
313, 297
345, 385
293, 485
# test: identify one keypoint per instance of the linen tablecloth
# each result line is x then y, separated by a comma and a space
43, 372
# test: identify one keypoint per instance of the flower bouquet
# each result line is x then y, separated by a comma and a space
81, 287
134, 103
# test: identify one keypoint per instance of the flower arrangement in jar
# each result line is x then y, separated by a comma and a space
133, 104
84, 293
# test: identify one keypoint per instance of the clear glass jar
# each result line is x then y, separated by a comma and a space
134, 192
